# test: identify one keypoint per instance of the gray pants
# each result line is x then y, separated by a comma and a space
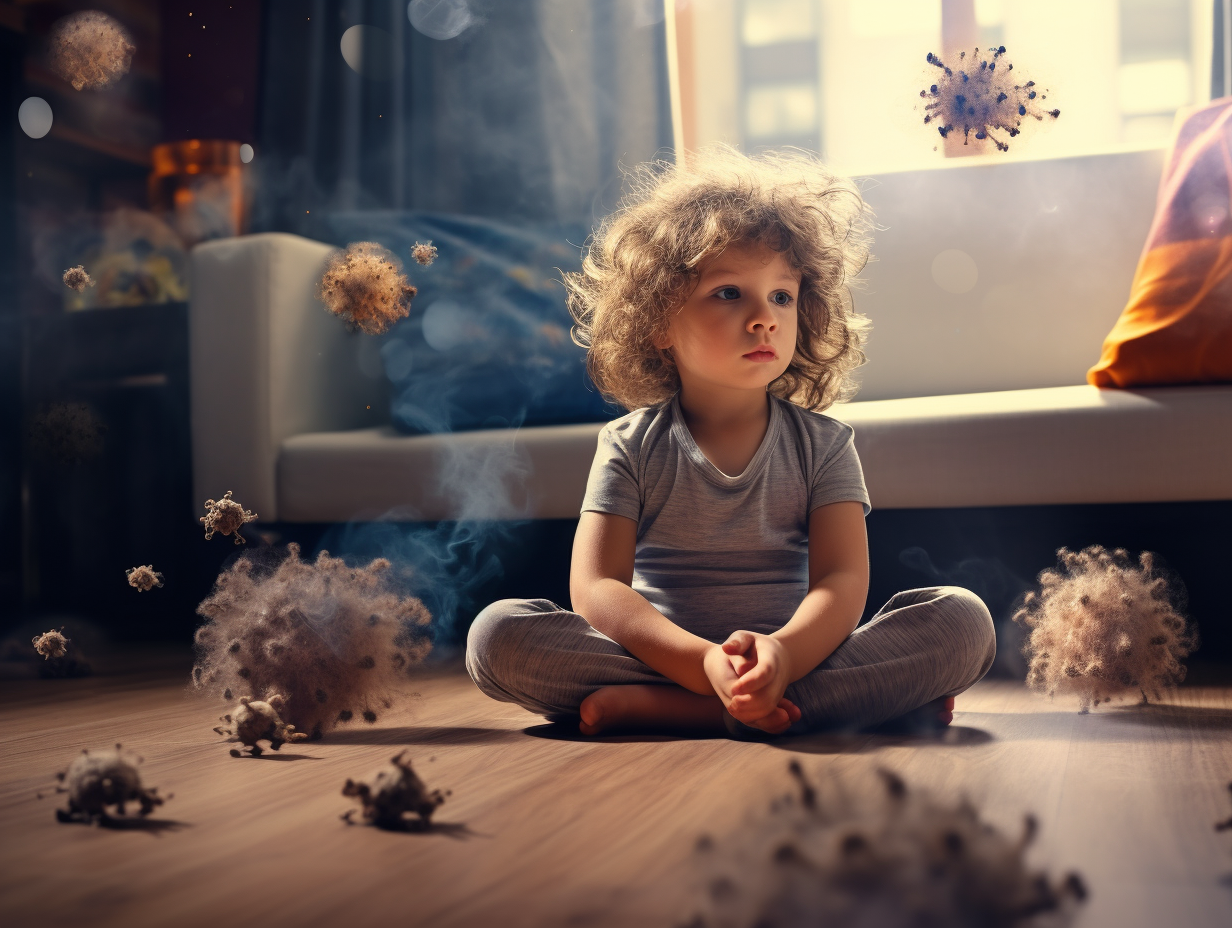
922, 645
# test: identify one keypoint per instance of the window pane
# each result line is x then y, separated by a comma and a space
783, 110
769, 21
1117, 69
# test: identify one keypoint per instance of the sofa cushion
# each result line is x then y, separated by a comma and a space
1020, 447
1177, 326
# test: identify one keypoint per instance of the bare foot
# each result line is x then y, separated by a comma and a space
647, 706
946, 713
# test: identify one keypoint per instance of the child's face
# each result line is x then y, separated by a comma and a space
737, 329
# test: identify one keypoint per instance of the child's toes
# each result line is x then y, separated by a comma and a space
591, 712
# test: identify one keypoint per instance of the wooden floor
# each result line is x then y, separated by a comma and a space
542, 831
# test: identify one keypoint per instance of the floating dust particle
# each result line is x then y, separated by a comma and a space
333, 641
76, 278
391, 794
90, 50
227, 517
423, 252
979, 96
144, 578
51, 644
364, 285
1105, 626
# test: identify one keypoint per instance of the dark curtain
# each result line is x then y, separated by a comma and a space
1217, 67
527, 115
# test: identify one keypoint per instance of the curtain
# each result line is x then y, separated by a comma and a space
1218, 65
527, 115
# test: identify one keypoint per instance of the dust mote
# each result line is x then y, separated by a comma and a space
1106, 626
848, 853
978, 95
364, 286
90, 50
335, 641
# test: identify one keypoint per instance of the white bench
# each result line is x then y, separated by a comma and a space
968, 399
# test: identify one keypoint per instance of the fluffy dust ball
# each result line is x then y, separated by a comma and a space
67, 433
76, 278
365, 286
144, 578
226, 517
423, 252
90, 50
258, 720
1104, 626
875, 853
980, 95
391, 794
51, 644
100, 780
333, 640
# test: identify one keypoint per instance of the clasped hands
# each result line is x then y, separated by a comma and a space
750, 673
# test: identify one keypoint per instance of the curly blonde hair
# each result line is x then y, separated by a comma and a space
644, 260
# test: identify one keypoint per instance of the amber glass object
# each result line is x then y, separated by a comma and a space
197, 187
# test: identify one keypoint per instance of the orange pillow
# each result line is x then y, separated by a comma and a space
1177, 326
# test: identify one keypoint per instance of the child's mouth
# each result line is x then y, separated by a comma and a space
761, 354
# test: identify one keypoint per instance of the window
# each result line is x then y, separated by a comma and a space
842, 77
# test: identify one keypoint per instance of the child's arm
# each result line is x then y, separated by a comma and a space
838, 589
600, 587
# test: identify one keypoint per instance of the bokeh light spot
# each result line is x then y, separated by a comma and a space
246, 153
368, 51
34, 117
954, 271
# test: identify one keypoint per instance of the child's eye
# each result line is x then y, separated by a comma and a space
782, 298
729, 293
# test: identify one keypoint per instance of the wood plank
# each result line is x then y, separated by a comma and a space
545, 831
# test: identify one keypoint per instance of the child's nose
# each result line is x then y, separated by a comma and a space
763, 321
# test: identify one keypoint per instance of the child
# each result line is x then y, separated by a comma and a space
721, 564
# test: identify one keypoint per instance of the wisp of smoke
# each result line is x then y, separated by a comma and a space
90, 50
365, 286
1103, 626
991, 580
875, 855
333, 640
977, 97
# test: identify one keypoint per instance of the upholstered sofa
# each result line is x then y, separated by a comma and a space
974, 393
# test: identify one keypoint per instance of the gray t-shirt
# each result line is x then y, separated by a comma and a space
717, 553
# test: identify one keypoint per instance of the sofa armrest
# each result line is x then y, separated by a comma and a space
267, 361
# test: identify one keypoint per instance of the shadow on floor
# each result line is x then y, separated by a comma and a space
153, 826
422, 734
819, 743
1205, 717
413, 826
864, 742
568, 731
